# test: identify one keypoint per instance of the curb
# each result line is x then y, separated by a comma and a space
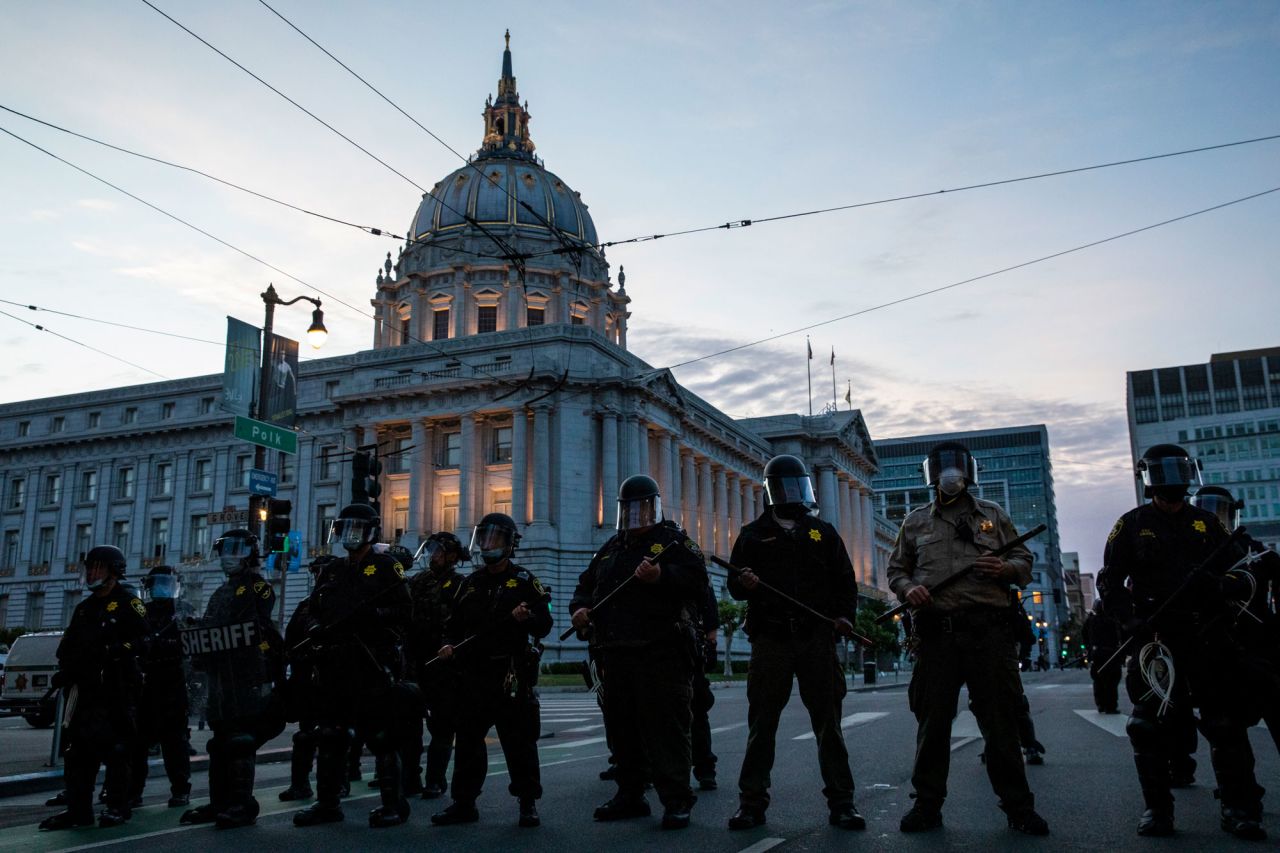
51, 780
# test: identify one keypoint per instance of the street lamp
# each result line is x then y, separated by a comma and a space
317, 334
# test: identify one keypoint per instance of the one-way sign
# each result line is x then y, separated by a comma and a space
262, 482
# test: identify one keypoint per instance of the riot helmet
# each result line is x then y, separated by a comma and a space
1168, 471
494, 538
102, 563
235, 550
356, 527
439, 552
1219, 501
788, 488
950, 468
639, 504
162, 584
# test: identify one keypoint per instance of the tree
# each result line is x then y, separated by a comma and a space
884, 636
731, 614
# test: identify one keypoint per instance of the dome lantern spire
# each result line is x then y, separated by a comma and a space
506, 123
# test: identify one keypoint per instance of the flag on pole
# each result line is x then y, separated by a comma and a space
848, 395
833, 356
809, 346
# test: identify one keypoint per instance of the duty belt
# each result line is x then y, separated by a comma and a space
964, 621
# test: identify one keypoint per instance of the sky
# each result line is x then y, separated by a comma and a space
666, 116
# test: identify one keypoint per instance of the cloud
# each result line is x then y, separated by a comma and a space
97, 204
42, 214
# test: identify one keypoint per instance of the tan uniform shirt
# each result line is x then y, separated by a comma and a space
929, 548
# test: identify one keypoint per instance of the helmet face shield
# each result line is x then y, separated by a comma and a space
352, 533
785, 490
95, 574
231, 551
950, 461
639, 514
1226, 509
1169, 471
493, 542
162, 587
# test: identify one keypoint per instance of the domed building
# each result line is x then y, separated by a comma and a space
499, 380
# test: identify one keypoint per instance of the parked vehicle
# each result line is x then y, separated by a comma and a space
30, 666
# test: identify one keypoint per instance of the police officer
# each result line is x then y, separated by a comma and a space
498, 608
966, 635
242, 709
791, 549
163, 711
432, 591
98, 668
361, 612
648, 638
1150, 553
1102, 638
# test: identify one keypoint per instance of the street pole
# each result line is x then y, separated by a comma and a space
270, 298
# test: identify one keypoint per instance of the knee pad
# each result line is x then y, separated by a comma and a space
304, 739
241, 745
332, 735
380, 742
1144, 733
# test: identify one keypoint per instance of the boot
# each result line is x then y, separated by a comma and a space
433, 790
179, 797
622, 808
318, 813
747, 817
395, 808
238, 815
456, 812
921, 818
1156, 823
847, 817
676, 816
529, 813
299, 772
1243, 824
58, 799
200, 814
65, 820
242, 808
110, 817
1028, 822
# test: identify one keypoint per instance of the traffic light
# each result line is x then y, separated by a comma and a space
365, 487
278, 524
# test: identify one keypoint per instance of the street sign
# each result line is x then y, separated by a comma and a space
270, 437
262, 482
229, 516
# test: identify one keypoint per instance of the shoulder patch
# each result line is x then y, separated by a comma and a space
1115, 531
138, 606
399, 568
537, 585
986, 525
693, 547
446, 584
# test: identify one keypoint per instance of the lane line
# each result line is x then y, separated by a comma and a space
1110, 723
580, 729
762, 845
859, 719
964, 741
728, 728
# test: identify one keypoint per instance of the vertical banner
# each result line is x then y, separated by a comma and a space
240, 374
280, 397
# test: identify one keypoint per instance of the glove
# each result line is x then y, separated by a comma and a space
712, 662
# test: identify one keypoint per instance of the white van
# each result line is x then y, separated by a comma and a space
32, 661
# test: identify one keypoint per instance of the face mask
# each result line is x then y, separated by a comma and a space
791, 512
230, 565
951, 482
1170, 494
493, 557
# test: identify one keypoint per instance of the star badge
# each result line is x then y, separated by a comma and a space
240, 590
370, 571
986, 525
511, 584
815, 535
1199, 526
112, 605
655, 548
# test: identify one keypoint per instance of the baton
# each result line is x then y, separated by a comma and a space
730, 567
942, 584
347, 617
490, 627
617, 589
1208, 561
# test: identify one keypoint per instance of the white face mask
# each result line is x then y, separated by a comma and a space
951, 482
230, 565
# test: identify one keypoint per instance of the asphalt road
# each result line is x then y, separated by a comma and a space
1086, 790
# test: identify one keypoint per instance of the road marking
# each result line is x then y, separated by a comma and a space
1110, 723
728, 728
574, 743
580, 729
964, 741
859, 719
565, 719
762, 845
965, 725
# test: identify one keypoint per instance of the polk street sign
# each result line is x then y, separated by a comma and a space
262, 482
267, 435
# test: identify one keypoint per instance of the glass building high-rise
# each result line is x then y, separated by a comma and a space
1014, 471
1226, 413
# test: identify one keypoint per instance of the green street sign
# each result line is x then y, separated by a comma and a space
269, 436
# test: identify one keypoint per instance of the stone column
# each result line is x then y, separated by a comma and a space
541, 464
178, 543
746, 507
734, 509
461, 307
706, 508
868, 552
642, 448
419, 482
520, 465
828, 504
721, 511
663, 472
689, 486
858, 532
468, 481
62, 533
672, 494
608, 464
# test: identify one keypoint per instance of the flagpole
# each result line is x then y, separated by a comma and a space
808, 370
835, 401
848, 396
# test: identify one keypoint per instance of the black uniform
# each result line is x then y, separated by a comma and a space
301, 699
496, 672
1102, 636
646, 635
432, 593
163, 710
361, 610
704, 760
99, 671
242, 709
810, 563
1149, 554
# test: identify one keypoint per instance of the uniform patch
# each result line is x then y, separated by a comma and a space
511, 584
537, 586
112, 605
264, 646
815, 535
1145, 532
693, 547
1115, 531
370, 571
986, 525
399, 568
1199, 526
263, 589
655, 548
138, 608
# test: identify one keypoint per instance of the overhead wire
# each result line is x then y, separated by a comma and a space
40, 328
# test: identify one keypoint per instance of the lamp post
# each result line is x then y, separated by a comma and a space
316, 336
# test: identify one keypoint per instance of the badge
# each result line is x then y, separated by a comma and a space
112, 605
370, 571
1115, 531
264, 646
537, 586
1145, 532
815, 535
986, 525
240, 590
447, 584
1199, 527
693, 547
138, 608
511, 584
